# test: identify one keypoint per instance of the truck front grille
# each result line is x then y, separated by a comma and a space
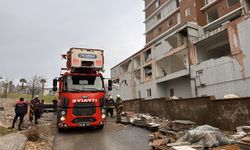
84, 109
88, 119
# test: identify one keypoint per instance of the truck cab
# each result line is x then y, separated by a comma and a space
81, 90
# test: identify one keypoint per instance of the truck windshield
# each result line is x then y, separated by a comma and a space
83, 84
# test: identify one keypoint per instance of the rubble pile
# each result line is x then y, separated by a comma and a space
244, 143
142, 120
184, 134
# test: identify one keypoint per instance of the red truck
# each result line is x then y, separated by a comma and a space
81, 101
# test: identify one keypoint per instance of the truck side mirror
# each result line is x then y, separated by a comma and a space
55, 85
110, 83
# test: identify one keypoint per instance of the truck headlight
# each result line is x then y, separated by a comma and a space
103, 116
63, 112
62, 118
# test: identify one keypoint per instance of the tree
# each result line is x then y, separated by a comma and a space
8, 86
43, 81
35, 85
23, 80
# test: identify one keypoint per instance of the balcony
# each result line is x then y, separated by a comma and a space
174, 75
172, 67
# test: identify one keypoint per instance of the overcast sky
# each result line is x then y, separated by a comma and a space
34, 33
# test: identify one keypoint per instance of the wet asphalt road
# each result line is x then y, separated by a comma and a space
113, 137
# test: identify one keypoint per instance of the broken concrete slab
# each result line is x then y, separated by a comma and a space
179, 125
206, 136
14, 141
158, 142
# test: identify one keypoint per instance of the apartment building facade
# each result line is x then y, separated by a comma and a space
193, 48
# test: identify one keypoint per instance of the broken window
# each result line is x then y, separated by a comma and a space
137, 76
170, 22
232, 2
213, 47
212, 14
158, 16
171, 92
157, 3
116, 81
148, 72
139, 94
177, 3
188, 11
149, 94
116, 84
147, 55
177, 40
158, 31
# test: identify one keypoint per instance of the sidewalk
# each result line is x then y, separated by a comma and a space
14, 141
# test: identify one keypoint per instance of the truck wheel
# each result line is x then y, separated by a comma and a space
100, 127
60, 130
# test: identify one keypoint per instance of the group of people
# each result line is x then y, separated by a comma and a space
111, 105
21, 109
36, 109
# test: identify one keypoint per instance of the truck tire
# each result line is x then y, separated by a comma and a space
100, 127
60, 130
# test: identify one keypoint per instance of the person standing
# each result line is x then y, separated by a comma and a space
21, 109
54, 103
119, 108
42, 107
35, 109
111, 106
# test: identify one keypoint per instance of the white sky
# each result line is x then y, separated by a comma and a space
34, 34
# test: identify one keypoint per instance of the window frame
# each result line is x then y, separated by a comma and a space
148, 93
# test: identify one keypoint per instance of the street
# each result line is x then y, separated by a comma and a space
113, 137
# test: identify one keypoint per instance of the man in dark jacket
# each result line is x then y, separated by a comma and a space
21, 109
35, 109
110, 106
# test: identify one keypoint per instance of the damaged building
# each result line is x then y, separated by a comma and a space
193, 48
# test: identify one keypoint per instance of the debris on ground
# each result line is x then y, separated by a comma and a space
38, 137
32, 135
206, 136
244, 143
185, 135
41, 136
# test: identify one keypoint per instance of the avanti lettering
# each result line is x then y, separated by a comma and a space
84, 100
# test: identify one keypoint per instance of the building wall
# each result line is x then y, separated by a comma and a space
164, 27
115, 72
218, 76
148, 2
226, 75
181, 87
152, 8
244, 32
163, 13
161, 48
184, 6
220, 5
226, 114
